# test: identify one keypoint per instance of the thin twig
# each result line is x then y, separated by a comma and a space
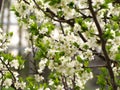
82, 37
26, 2
62, 29
73, 81
33, 52
8, 69
64, 82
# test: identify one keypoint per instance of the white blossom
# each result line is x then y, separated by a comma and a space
21, 85
38, 78
14, 63
8, 82
27, 50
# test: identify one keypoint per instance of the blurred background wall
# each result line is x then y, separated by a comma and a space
8, 22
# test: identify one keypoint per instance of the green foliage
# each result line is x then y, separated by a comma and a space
105, 6
55, 78
43, 49
79, 59
115, 18
33, 17
32, 83
50, 26
53, 2
108, 1
86, 46
7, 75
42, 46
117, 57
76, 44
79, 20
21, 61
119, 49
108, 35
57, 56
115, 26
8, 57
108, 47
10, 34
34, 29
77, 88
84, 27
10, 88
60, 13
71, 5
103, 78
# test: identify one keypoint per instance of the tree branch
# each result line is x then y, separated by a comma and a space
103, 45
62, 29
8, 69
82, 37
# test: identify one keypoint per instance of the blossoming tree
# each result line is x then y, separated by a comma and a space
65, 36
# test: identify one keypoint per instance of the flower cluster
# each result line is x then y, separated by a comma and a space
66, 36
9, 65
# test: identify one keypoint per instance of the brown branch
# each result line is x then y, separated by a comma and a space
82, 37
83, 15
62, 29
51, 15
64, 82
103, 43
33, 52
8, 69
73, 81
26, 2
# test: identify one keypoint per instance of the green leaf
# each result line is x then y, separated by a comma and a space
108, 1
117, 33
76, 88
75, 44
71, 5
17, 14
104, 6
34, 29
102, 78
10, 88
60, 13
20, 60
117, 57
11, 34
57, 56
107, 34
24, 7
31, 80
33, 17
79, 59
108, 47
115, 18
8, 57
50, 26
52, 2
79, 20
84, 27
8, 75
115, 26
86, 47
25, 20
119, 48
